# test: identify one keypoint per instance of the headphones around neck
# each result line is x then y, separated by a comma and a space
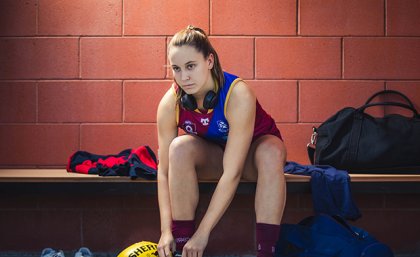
209, 102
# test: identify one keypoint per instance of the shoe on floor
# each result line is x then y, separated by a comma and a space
49, 252
83, 252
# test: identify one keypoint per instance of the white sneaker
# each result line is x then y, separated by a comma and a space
83, 252
49, 252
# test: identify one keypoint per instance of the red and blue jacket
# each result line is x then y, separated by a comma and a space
140, 162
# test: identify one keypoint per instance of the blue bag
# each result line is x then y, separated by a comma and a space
323, 236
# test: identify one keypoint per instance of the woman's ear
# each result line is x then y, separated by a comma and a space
210, 61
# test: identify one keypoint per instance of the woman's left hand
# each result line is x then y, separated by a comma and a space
195, 245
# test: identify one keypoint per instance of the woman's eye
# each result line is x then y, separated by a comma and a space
176, 69
190, 66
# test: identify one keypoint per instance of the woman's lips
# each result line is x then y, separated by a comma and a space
187, 86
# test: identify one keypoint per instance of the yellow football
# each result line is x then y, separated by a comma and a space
140, 249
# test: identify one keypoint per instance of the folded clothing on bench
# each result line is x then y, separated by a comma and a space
139, 162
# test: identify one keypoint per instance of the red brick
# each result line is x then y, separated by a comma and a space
81, 201
241, 202
17, 102
278, 98
254, 17
234, 233
164, 17
123, 58
236, 55
123, 228
80, 17
319, 100
113, 138
342, 17
402, 201
64, 200
17, 201
369, 201
39, 229
295, 216
37, 144
410, 89
141, 99
298, 58
80, 101
403, 18
148, 202
296, 137
203, 202
306, 201
381, 58
27, 58
18, 17
292, 201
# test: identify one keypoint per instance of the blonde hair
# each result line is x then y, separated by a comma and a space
197, 38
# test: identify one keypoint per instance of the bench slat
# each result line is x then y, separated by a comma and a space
61, 175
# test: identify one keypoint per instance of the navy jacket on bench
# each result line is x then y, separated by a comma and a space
330, 189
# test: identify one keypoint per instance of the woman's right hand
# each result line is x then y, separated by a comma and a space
166, 245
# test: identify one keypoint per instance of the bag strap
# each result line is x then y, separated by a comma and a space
384, 92
310, 220
356, 131
343, 222
311, 153
310, 147
411, 108
353, 147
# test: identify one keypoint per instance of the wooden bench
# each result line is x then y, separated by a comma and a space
60, 179
39, 195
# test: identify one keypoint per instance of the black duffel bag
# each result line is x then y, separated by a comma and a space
355, 141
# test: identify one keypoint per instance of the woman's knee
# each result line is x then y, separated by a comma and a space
181, 149
191, 153
271, 151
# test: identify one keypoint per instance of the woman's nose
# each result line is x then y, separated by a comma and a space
185, 76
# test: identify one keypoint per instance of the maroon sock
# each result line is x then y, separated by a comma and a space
266, 236
182, 230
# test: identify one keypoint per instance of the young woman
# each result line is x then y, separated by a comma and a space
228, 136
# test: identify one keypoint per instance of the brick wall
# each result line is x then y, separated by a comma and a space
88, 74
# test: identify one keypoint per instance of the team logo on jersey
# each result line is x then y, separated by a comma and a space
223, 126
189, 127
205, 121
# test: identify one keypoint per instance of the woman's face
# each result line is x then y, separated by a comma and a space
191, 70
